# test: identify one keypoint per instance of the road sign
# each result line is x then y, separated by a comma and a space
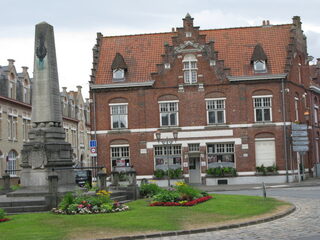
299, 126
300, 142
93, 154
93, 143
93, 150
299, 133
300, 139
300, 148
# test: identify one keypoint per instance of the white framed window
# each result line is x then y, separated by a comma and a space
260, 66
25, 128
169, 113
120, 156
220, 154
190, 69
12, 125
119, 115
12, 163
262, 108
216, 112
296, 108
194, 147
163, 154
118, 74
316, 112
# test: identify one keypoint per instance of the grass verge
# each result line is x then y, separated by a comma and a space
140, 219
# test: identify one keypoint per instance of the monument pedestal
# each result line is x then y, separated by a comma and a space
47, 152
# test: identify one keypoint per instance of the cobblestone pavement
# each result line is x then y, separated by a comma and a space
303, 224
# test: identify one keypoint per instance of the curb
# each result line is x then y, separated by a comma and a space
203, 230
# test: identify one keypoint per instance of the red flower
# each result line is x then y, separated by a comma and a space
80, 206
4, 219
84, 202
190, 203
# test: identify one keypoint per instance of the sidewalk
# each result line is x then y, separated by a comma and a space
217, 188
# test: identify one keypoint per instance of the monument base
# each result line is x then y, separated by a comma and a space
39, 177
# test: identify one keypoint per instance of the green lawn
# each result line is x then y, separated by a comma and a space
141, 218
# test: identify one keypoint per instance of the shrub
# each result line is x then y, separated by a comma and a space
187, 192
159, 173
264, 170
222, 171
66, 201
167, 196
15, 187
175, 173
2, 213
149, 189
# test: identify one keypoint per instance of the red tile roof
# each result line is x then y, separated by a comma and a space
235, 46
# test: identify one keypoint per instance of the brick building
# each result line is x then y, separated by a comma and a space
15, 119
231, 94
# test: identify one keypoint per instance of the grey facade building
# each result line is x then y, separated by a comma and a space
15, 119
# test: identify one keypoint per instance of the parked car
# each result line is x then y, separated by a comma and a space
83, 177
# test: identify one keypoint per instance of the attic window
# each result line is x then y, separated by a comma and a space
188, 34
259, 59
119, 67
260, 66
118, 74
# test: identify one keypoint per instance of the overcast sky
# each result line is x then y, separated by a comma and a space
76, 23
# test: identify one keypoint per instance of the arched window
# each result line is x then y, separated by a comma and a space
12, 86
12, 162
26, 91
190, 68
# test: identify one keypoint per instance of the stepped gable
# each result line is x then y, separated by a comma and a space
235, 46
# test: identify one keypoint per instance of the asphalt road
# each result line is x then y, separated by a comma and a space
303, 224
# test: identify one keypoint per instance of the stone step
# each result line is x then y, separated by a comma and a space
119, 198
21, 203
25, 209
26, 194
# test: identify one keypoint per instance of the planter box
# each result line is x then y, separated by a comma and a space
266, 174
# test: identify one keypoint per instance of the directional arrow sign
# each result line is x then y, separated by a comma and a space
299, 134
300, 142
299, 126
300, 138
300, 148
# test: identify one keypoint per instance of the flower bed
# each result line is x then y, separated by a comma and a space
86, 204
4, 219
180, 195
182, 203
2, 216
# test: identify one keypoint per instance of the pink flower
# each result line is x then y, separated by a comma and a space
80, 206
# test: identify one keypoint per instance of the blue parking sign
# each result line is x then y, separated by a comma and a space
93, 143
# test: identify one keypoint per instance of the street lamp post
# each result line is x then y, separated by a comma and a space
167, 142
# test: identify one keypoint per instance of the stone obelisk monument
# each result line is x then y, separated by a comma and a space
47, 151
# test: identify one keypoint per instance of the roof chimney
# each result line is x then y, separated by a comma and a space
268, 22
64, 89
25, 69
173, 30
79, 89
296, 21
11, 62
263, 22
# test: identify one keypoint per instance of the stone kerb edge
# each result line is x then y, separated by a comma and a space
202, 230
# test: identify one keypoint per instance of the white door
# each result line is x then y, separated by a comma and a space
194, 170
265, 152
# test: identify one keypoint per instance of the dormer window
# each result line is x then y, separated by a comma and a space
259, 59
260, 66
118, 74
119, 68
188, 34
190, 69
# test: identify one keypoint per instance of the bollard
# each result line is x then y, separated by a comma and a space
102, 178
264, 190
114, 179
6, 182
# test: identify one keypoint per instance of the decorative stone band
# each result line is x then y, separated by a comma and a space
258, 77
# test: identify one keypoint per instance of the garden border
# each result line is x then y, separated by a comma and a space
202, 230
